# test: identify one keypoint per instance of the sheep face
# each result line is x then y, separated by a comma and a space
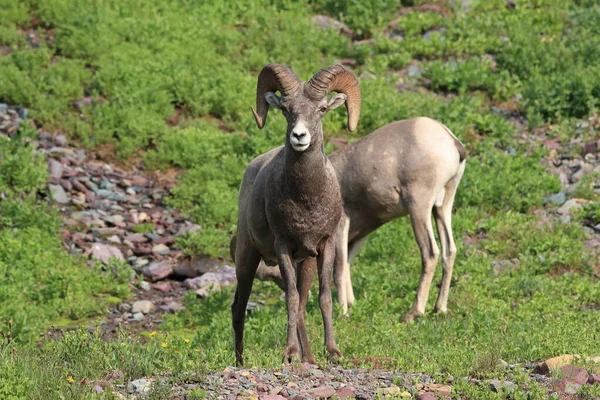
303, 115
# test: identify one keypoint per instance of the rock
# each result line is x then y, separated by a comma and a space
499, 386
137, 238
568, 207
322, 392
124, 307
60, 140
58, 194
160, 249
413, 70
56, 169
345, 392
140, 262
97, 389
138, 317
392, 390
427, 396
224, 276
438, 389
145, 286
139, 386
163, 287
104, 252
563, 386
192, 269
206, 291
115, 375
271, 397
593, 379
590, 147
172, 307
189, 229
137, 180
114, 239
157, 270
143, 306
554, 363
325, 22
558, 199
575, 374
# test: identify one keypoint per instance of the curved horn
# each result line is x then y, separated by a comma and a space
338, 78
272, 77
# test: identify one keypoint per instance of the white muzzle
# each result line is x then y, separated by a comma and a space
300, 137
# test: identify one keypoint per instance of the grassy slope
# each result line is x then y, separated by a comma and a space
143, 61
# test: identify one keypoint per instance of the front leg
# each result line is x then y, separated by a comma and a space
306, 273
325, 263
288, 274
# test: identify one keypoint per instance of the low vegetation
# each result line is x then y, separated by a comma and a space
170, 84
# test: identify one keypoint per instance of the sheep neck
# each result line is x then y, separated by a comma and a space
305, 172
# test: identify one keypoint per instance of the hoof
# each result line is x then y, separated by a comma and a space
309, 360
334, 356
410, 317
291, 355
440, 310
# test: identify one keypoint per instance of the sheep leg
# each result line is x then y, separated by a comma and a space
306, 273
420, 216
353, 250
443, 221
341, 268
325, 263
247, 259
286, 266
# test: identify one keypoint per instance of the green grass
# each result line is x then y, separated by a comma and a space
147, 63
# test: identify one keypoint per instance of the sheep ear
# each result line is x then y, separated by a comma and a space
273, 99
336, 101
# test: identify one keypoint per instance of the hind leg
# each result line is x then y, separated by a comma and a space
247, 259
443, 221
420, 216
341, 269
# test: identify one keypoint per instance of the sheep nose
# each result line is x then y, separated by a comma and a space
298, 135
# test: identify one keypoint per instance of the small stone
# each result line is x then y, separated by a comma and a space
271, 397
498, 386
124, 307
138, 317
558, 199
163, 287
56, 169
554, 363
114, 239
575, 374
143, 306
137, 180
224, 276
427, 396
139, 386
58, 194
206, 291
141, 262
568, 207
160, 249
413, 70
326, 22
345, 392
97, 389
143, 217
157, 270
392, 390
137, 238
115, 375
145, 286
104, 252
322, 392
60, 140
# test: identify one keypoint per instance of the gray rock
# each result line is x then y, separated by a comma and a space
325, 22
58, 194
145, 286
193, 269
172, 307
105, 252
116, 196
160, 249
498, 386
114, 239
143, 306
56, 168
124, 307
415, 71
568, 207
558, 199
138, 317
60, 140
224, 276
157, 271
139, 386
141, 262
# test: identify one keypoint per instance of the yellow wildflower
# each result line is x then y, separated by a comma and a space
70, 379
197, 351
153, 333
186, 340
163, 344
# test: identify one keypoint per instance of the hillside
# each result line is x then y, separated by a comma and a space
124, 132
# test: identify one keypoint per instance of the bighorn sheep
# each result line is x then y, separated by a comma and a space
289, 200
410, 167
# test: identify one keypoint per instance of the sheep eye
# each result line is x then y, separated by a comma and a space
323, 109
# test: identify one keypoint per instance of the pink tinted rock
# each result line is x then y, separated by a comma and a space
322, 392
575, 374
163, 287
271, 397
594, 379
104, 252
346, 392
427, 396
136, 238
157, 271
137, 180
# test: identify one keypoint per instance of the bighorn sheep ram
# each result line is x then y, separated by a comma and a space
289, 200
409, 167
